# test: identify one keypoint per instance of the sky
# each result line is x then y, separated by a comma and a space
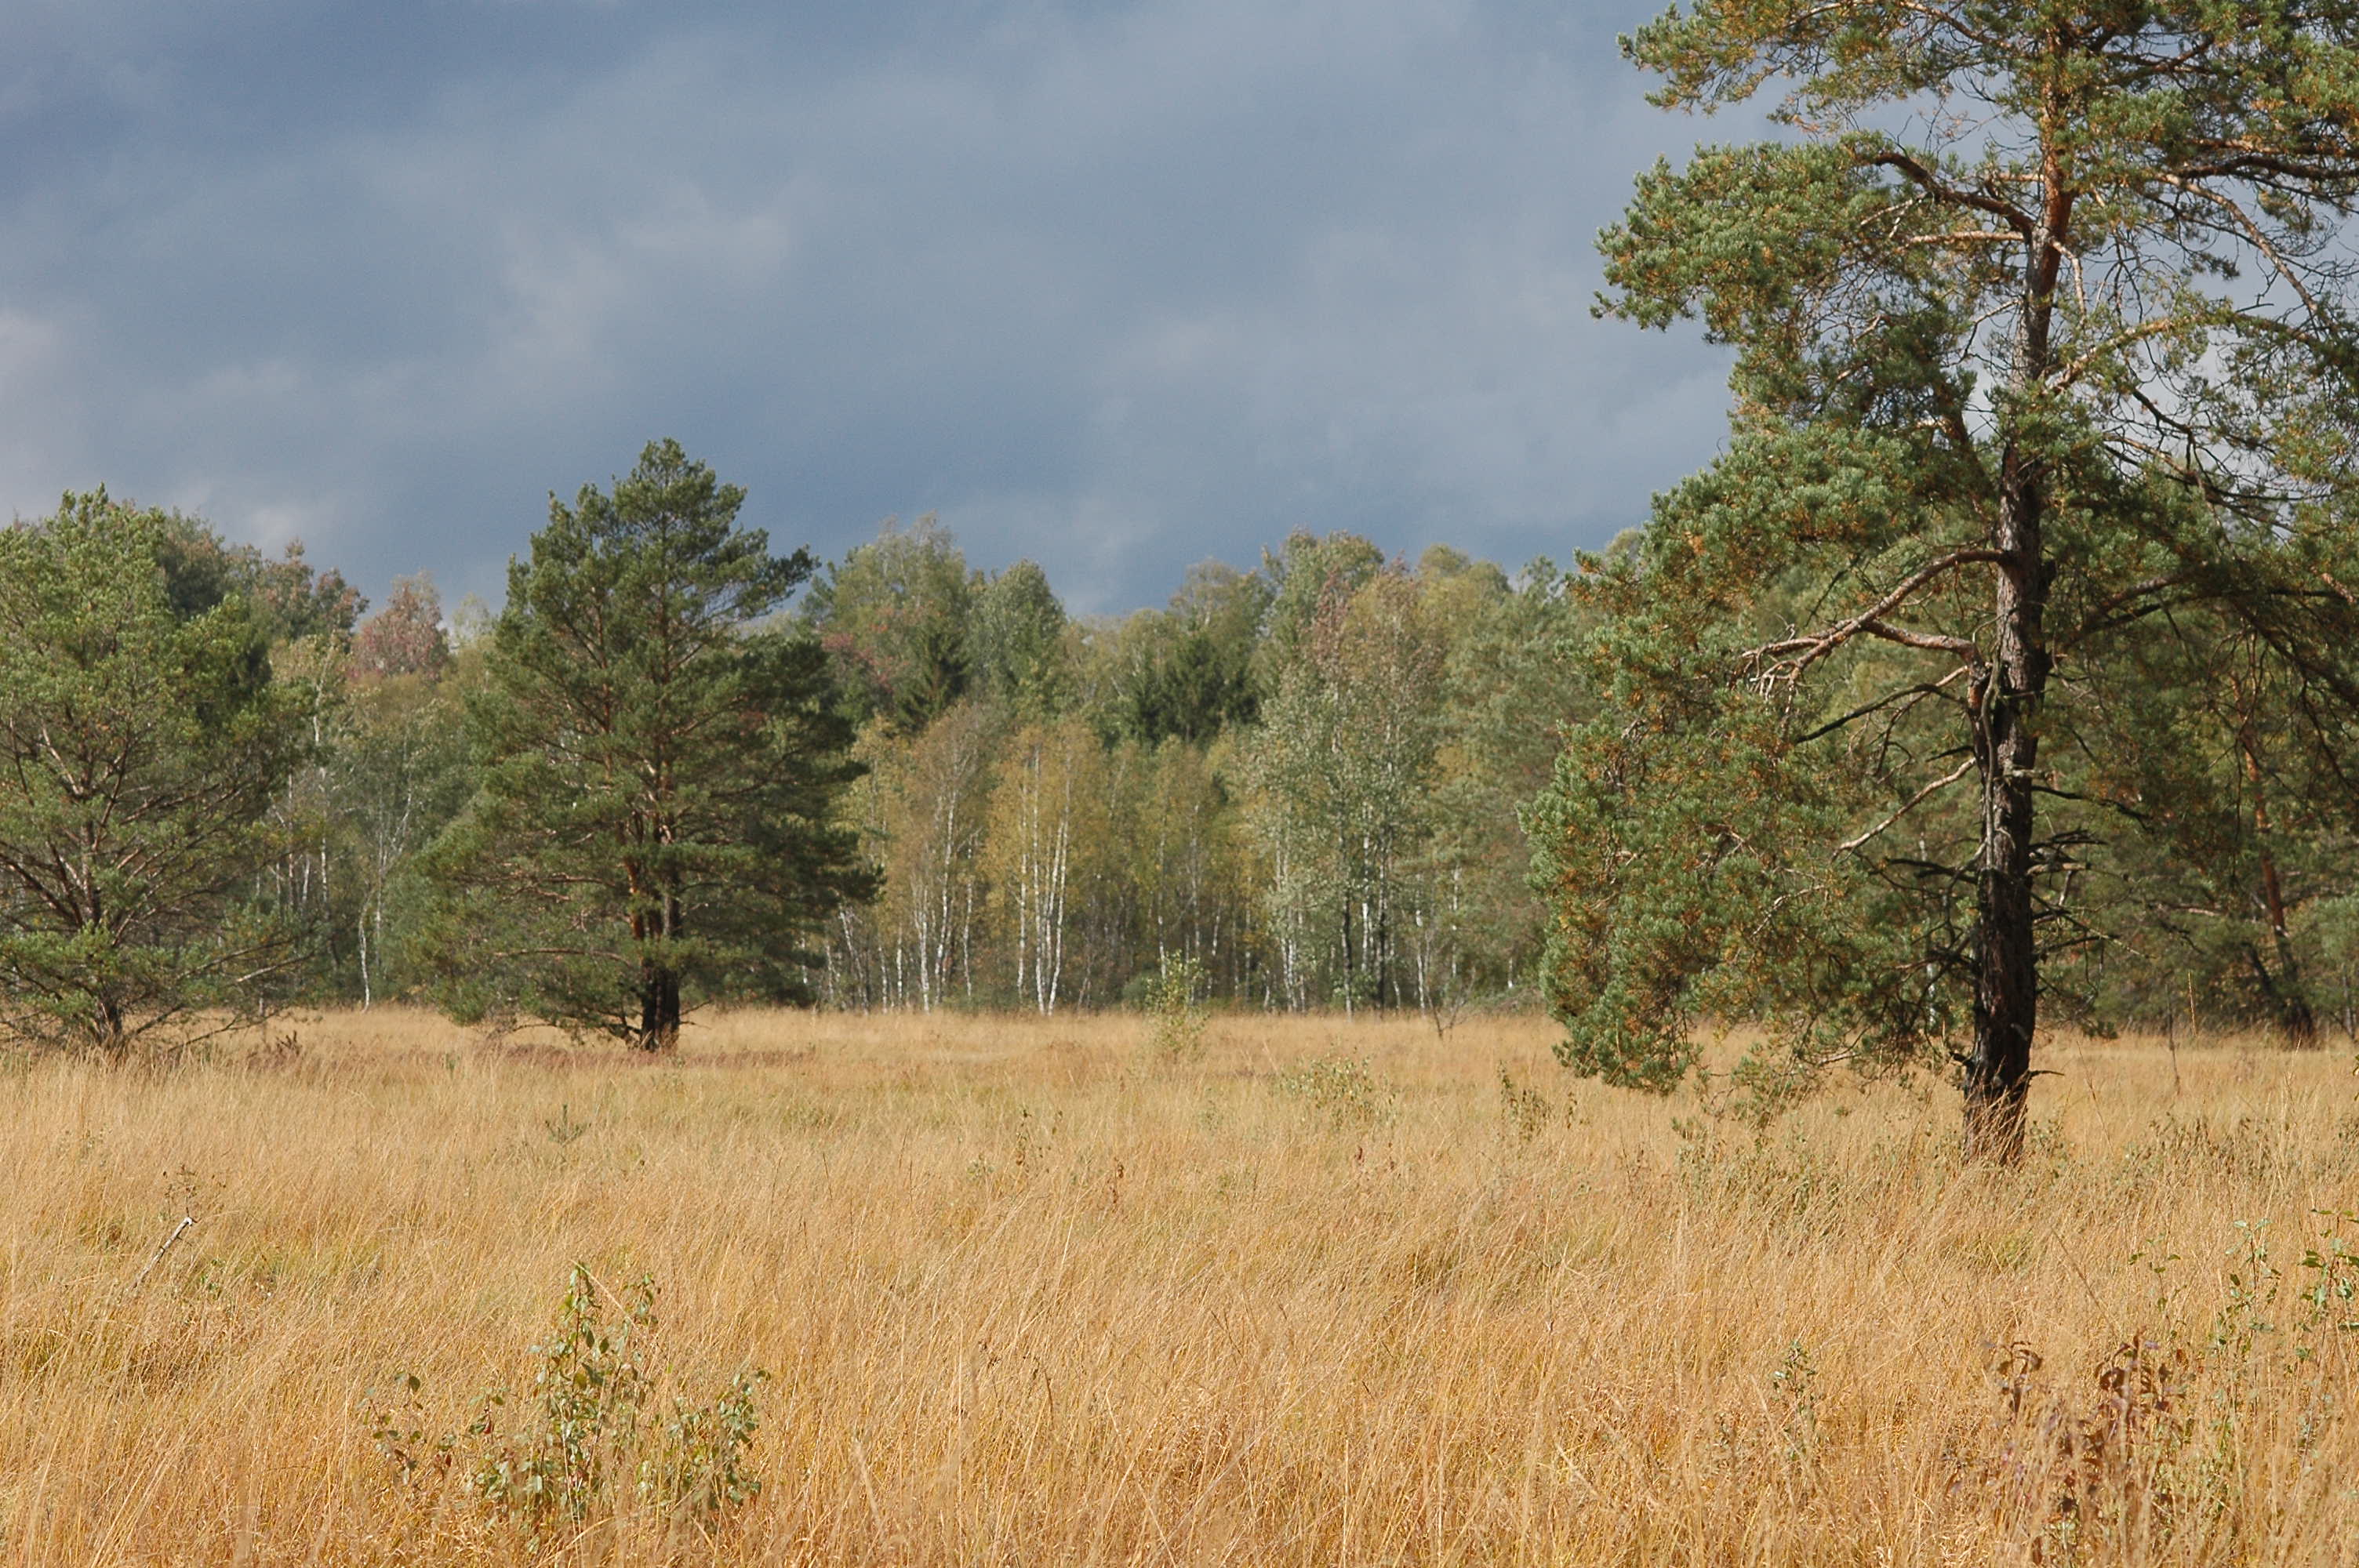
1115, 287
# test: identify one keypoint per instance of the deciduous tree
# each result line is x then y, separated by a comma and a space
893, 616
1345, 767
1016, 643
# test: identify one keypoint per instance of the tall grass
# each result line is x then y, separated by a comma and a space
1031, 1292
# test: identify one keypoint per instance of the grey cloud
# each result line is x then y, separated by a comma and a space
1117, 287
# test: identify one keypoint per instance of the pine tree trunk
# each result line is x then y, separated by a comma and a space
658, 1009
1997, 1078
109, 1030
2289, 999
1997, 1082
2006, 980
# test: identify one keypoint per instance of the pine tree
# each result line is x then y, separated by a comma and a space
142, 741
656, 820
2043, 342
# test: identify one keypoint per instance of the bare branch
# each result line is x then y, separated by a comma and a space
1941, 189
1929, 641
1911, 803
2252, 231
1921, 689
1964, 237
1817, 645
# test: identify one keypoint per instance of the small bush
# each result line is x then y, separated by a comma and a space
1341, 1089
1527, 1110
1173, 1002
585, 1437
2097, 1465
591, 1390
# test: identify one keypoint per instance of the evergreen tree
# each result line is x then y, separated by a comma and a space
655, 822
2043, 341
141, 744
1187, 672
288, 597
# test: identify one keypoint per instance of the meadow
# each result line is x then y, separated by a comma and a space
1028, 1291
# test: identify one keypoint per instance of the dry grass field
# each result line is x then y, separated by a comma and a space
1026, 1293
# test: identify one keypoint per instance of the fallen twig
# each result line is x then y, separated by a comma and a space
170, 1242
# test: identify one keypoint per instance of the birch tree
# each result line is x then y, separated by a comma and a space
1046, 833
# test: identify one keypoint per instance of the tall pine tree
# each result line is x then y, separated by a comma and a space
2043, 332
655, 825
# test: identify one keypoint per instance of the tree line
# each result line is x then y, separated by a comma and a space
1298, 783
677, 768
2002, 670
226, 791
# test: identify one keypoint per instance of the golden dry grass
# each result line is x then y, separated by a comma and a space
1026, 1296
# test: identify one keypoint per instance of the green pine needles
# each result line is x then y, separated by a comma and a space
2025, 586
142, 742
660, 759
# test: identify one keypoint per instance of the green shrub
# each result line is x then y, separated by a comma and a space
585, 1435
1342, 1090
1174, 1004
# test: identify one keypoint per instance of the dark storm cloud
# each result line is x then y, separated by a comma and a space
1117, 287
